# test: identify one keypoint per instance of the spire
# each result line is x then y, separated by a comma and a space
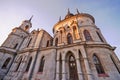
78, 11
68, 11
69, 14
30, 18
60, 18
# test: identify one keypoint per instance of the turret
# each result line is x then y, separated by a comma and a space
76, 28
26, 25
18, 34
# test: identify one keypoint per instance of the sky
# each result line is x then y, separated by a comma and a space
47, 12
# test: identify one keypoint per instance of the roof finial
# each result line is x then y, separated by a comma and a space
68, 11
30, 18
78, 11
60, 18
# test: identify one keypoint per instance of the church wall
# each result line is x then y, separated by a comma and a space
3, 58
75, 51
70, 57
92, 30
27, 74
46, 37
49, 65
111, 73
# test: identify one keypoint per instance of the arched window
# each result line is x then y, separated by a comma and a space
98, 65
15, 46
42, 64
56, 42
47, 44
18, 64
115, 64
99, 37
75, 31
69, 38
87, 35
51, 42
6, 63
72, 68
61, 35
28, 66
26, 27
29, 42
60, 67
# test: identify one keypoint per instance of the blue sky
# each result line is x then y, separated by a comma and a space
47, 12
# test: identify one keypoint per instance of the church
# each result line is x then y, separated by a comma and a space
77, 51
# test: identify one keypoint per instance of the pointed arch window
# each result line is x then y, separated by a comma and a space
29, 63
99, 37
72, 68
69, 38
75, 31
42, 64
87, 35
115, 64
15, 46
51, 42
56, 42
26, 27
61, 32
6, 63
29, 42
98, 65
47, 44
18, 64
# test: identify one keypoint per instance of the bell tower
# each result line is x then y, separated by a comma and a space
16, 37
9, 49
26, 25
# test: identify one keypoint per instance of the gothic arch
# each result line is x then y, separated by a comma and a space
28, 65
87, 35
26, 27
72, 66
98, 65
61, 35
47, 45
18, 64
4, 66
69, 38
41, 65
75, 33
56, 42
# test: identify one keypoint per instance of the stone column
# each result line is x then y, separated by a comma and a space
57, 70
80, 76
63, 70
87, 67
89, 74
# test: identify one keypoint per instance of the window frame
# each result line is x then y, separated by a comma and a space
41, 66
5, 64
87, 35
69, 38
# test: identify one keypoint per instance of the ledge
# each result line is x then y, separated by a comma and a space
103, 75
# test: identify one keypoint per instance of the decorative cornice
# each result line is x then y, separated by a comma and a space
7, 50
74, 16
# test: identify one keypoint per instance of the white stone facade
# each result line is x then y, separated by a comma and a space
77, 51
